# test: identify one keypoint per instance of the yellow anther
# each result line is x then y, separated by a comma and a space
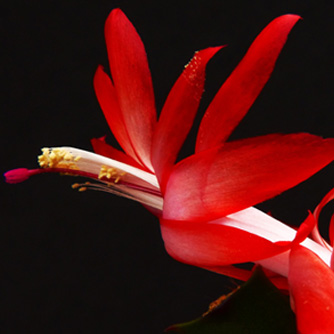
110, 173
43, 159
82, 189
75, 185
57, 158
68, 156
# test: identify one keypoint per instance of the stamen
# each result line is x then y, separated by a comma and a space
152, 200
111, 173
115, 177
81, 186
57, 158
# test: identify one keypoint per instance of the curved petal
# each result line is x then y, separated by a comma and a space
312, 292
243, 275
106, 95
240, 90
231, 271
315, 233
331, 231
280, 263
279, 281
102, 148
178, 113
133, 83
246, 236
243, 173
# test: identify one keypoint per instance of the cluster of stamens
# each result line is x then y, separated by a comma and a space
123, 180
57, 158
110, 173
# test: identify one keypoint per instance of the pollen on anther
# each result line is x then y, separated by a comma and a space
57, 158
68, 156
110, 173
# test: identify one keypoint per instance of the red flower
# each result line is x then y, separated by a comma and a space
203, 201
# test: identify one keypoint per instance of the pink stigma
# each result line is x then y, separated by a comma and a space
21, 174
18, 175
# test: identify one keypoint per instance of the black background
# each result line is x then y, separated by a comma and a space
93, 263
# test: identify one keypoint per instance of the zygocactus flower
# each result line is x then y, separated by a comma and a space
204, 201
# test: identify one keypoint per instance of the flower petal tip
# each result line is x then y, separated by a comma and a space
290, 17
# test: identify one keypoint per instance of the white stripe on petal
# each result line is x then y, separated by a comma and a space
92, 162
257, 222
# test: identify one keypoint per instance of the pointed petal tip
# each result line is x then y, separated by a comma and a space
98, 72
99, 68
116, 20
288, 19
245, 83
284, 22
178, 113
295, 17
203, 56
210, 51
289, 16
115, 13
132, 82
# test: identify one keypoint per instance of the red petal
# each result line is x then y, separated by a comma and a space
331, 231
218, 182
233, 272
106, 96
315, 233
102, 148
178, 113
213, 244
305, 229
312, 290
279, 281
244, 274
332, 259
132, 80
240, 90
